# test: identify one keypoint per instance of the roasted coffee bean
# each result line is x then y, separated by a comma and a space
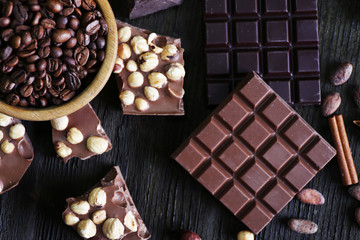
53, 92
7, 8
43, 101
12, 61
68, 53
35, 8
72, 81
20, 13
58, 81
74, 24
5, 52
54, 6
69, 61
23, 102
48, 23
32, 58
92, 54
88, 4
77, 3
94, 37
12, 99
36, 19
38, 84
26, 38
30, 80
87, 17
30, 68
104, 27
71, 43
35, 95
4, 21
40, 74
44, 52
57, 101
73, 33
78, 12
47, 80
5, 68
82, 38
64, 68
81, 55
22, 28
41, 65
32, 45
61, 35
52, 64
6, 84
61, 22
67, 94
56, 52
15, 41
100, 42
67, 11
39, 32
31, 100
19, 76
46, 42
7, 34
92, 46
26, 90
42, 92
90, 63
93, 27
26, 53
100, 55
80, 72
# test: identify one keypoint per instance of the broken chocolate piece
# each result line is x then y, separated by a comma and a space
254, 153
106, 211
16, 152
150, 72
79, 134
140, 8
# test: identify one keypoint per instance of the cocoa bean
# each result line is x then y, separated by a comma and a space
302, 226
341, 74
330, 104
354, 191
311, 196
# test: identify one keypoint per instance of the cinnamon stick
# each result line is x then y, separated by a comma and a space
344, 156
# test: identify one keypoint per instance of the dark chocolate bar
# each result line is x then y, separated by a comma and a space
254, 153
16, 152
106, 211
140, 8
278, 39
150, 72
79, 134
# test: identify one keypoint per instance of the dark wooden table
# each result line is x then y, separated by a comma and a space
167, 197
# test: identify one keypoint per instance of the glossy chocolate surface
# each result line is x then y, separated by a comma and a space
89, 125
140, 8
278, 39
14, 165
118, 204
254, 153
167, 104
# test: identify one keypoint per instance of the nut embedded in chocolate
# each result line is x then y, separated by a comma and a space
341, 74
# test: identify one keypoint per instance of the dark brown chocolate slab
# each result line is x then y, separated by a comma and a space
119, 203
278, 39
140, 8
167, 104
89, 124
14, 165
254, 153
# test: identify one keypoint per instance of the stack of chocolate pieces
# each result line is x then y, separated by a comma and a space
278, 39
254, 153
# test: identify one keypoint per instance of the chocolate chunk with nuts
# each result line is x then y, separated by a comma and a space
106, 211
72, 137
16, 152
150, 72
341, 74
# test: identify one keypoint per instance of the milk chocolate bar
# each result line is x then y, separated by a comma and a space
106, 211
16, 152
150, 72
79, 134
140, 8
254, 153
278, 39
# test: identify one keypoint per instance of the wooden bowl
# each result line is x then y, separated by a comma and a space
89, 93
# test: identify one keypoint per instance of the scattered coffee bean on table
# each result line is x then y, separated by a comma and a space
47, 49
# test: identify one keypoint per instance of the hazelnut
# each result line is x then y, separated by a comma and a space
148, 61
86, 228
1, 135
135, 79
141, 104
124, 51
176, 93
157, 80
7, 147
130, 221
153, 46
175, 72
139, 45
124, 34
127, 97
17, 131
119, 65
62, 150
80, 207
131, 66
97, 197
169, 52
97, 144
99, 216
60, 123
151, 38
5, 120
74, 136
71, 219
245, 235
113, 228
151, 93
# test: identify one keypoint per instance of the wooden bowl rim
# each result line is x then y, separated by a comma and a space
89, 93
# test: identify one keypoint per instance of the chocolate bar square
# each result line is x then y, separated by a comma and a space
254, 153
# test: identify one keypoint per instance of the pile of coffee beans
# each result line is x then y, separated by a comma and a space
48, 48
